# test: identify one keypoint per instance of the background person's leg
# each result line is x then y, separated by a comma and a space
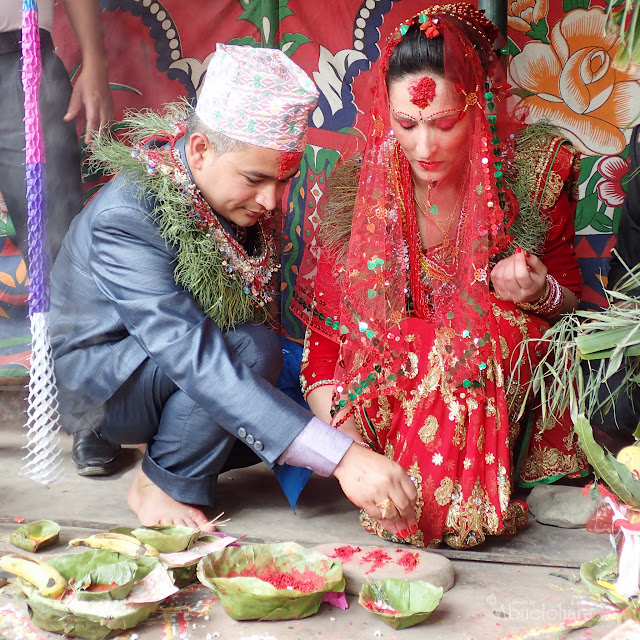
64, 182
615, 429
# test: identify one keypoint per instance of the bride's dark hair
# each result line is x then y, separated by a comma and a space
416, 54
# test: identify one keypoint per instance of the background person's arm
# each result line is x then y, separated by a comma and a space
91, 92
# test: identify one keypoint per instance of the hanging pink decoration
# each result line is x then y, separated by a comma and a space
43, 460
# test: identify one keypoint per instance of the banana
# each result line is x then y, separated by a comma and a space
118, 542
44, 577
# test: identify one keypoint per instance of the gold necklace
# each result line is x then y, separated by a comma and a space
428, 212
426, 203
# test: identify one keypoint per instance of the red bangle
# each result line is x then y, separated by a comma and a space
551, 302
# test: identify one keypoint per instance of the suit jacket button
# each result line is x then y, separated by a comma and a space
250, 439
258, 446
242, 432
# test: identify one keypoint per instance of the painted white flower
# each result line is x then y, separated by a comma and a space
489, 458
437, 459
194, 68
467, 463
330, 78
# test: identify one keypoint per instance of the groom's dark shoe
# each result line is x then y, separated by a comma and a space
93, 455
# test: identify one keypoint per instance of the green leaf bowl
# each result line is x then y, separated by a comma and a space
86, 614
400, 603
270, 581
167, 538
81, 619
36, 535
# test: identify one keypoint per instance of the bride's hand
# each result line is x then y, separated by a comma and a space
520, 278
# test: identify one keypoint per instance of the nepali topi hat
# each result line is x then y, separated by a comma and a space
258, 96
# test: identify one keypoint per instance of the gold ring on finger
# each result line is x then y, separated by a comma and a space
383, 506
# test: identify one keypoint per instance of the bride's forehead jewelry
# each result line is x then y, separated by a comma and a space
439, 115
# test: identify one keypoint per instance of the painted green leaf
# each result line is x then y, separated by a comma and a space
539, 31
586, 166
617, 214
586, 211
601, 222
400, 603
514, 50
118, 86
569, 5
290, 42
35, 535
617, 476
246, 41
256, 10
522, 93
266, 16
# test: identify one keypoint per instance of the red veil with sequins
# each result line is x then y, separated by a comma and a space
419, 350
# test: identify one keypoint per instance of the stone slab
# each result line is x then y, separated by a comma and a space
561, 506
360, 564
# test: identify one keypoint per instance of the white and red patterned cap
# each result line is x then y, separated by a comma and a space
258, 96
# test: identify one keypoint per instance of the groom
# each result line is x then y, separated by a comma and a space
155, 289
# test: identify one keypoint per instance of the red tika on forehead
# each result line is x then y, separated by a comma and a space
287, 160
423, 92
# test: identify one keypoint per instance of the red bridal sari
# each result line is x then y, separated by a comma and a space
416, 344
459, 447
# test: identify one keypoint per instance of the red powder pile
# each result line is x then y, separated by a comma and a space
377, 557
379, 607
345, 553
408, 560
97, 588
305, 582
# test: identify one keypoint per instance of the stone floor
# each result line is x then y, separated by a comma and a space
524, 587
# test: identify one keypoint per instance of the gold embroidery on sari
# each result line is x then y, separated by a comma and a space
504, 349
389, 451
429, 431
413, 365
554, 187
545, 463
514, 318
465, 520
444, 491
504, 488
384, 415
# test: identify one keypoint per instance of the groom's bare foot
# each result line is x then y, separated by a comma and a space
153, 506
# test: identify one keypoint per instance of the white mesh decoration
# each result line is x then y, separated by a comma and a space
43, 462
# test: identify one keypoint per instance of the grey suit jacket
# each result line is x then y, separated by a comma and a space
114, 302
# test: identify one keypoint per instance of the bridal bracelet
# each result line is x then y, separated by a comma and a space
551, 302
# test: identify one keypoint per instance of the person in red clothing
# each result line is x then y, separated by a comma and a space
445, 246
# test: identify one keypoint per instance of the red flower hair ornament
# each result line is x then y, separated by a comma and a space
430, 28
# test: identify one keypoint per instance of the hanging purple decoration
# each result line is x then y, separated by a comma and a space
43, 461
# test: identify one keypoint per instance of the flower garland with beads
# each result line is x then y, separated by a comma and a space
230, 284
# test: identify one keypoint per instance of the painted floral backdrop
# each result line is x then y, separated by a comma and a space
559, 65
